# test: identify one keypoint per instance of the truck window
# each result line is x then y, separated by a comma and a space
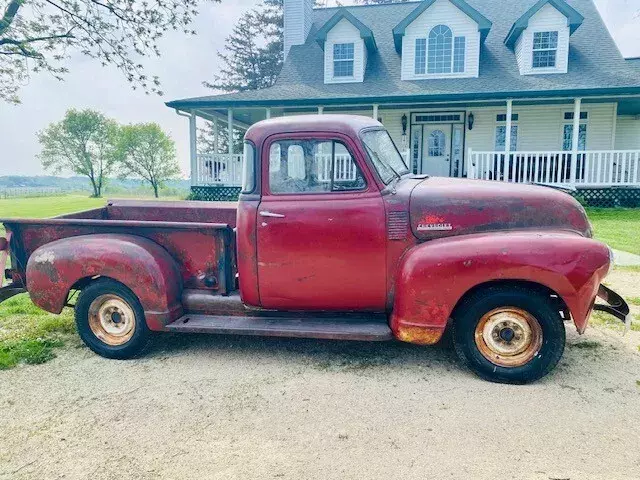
312, 166
249, 168
384, 155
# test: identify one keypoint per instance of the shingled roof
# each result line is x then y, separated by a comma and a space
596, 66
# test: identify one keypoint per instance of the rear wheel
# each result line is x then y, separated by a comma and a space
509, 334
110, 320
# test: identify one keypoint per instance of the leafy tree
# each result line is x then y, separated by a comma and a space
145, 151
38, 35
206, 139
84, 142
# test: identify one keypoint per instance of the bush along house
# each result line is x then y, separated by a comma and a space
504, 90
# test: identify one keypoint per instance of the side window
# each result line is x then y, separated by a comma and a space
312, 166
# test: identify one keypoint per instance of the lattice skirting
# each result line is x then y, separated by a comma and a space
217, 193
609, 197
590, 197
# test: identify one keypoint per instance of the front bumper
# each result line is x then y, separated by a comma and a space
615, 306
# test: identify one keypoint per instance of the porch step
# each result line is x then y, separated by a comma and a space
374, 328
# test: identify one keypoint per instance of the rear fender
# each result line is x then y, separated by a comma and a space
140, 264
435, 275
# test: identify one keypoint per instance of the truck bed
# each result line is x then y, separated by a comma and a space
198, 235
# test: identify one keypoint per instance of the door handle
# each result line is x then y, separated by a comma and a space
264, 213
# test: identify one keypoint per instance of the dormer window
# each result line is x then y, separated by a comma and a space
545, 46
440, 53
343, 59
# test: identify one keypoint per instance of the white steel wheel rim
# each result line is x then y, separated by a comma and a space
111, 319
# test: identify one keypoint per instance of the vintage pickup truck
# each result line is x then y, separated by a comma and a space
333, 237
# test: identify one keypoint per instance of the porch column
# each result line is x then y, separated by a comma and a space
375, 111
215, 135
193, 148
268, 113
320, 110
574, 140
507, 133
230, 131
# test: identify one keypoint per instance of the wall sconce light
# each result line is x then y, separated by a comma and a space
404, 124
470, 120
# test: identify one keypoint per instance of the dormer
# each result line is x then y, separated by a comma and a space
540, 37
346, 42
441, 39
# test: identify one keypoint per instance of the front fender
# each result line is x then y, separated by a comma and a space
435, 275
140, 264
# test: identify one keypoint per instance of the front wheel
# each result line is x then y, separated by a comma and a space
509, 334
110, 320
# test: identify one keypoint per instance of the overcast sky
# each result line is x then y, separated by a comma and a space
185, 63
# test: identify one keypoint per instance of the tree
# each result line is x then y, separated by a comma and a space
145, 151
84, 142
253, 53
38, 35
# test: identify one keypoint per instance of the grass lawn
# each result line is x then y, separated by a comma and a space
617, 227
40, 207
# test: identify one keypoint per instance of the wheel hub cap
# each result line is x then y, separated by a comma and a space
508, 336
111, 319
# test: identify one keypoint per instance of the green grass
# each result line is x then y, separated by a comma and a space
30, 335
617, 227
42, 207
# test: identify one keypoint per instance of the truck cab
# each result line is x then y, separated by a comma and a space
333, 237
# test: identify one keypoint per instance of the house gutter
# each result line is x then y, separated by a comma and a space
187, 104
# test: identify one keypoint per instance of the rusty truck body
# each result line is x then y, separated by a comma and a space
333, 237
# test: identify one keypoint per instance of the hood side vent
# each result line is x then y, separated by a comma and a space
397, 225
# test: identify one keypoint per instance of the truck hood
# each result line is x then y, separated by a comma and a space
442, 207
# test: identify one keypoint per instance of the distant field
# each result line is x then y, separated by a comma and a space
41, 207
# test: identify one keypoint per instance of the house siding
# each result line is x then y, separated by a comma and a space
540, 127
547, 19
345, 32
442, 12
627, 132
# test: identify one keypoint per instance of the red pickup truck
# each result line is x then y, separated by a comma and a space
333, 237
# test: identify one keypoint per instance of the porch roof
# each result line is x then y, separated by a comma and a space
596, 67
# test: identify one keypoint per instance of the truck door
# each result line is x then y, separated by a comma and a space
321, 226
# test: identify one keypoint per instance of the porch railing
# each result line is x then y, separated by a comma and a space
587, 168
219, 169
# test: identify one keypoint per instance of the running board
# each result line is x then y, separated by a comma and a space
368, 329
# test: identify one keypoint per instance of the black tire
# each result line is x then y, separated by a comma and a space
132, 343
539, 305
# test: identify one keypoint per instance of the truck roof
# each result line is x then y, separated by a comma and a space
350, 125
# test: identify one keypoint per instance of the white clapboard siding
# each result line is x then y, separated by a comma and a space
297, 22
547, 19
540, 127
628, 133
442, 12
344, 32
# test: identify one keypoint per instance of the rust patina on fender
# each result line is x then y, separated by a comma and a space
140, 264
569, 264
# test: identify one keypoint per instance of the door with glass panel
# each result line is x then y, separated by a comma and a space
436, 155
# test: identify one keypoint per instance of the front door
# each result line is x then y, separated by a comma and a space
436, 155
321, 227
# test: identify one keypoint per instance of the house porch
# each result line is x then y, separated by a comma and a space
586, 143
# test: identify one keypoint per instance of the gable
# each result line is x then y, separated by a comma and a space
544, 8
341, 17
483, 24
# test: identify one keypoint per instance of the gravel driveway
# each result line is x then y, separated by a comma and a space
241, 407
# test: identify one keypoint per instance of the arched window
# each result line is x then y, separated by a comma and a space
436, 143
440, 47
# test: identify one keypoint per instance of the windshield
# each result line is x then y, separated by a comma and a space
384, 155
